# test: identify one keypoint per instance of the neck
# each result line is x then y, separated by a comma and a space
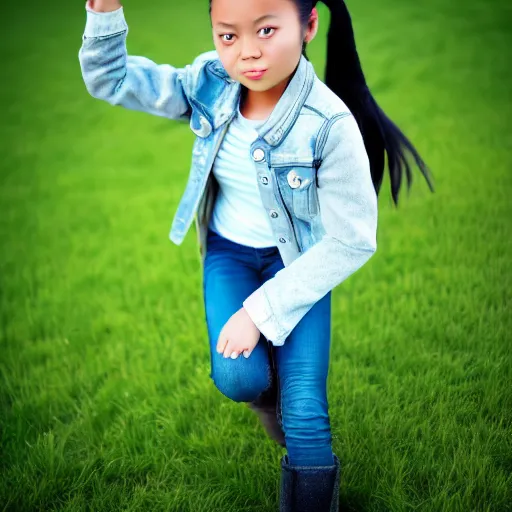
259, 104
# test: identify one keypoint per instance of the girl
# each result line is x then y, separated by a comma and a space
288, 212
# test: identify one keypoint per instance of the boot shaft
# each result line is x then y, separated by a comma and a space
309, 488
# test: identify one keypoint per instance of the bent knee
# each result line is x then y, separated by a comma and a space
239, 386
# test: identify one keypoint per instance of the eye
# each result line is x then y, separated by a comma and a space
222, 36
267, 29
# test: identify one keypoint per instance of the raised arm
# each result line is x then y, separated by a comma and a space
134, 82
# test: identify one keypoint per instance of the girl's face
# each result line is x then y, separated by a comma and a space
259, 35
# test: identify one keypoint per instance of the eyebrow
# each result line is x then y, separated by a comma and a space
261, 18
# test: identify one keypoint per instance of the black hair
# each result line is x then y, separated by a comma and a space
344, 76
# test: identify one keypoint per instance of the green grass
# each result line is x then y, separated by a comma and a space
106, 401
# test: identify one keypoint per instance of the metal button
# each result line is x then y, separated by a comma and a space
264, 180
282, 240
258, 155
273, 214
293, 179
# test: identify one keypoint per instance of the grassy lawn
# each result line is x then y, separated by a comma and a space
105, 396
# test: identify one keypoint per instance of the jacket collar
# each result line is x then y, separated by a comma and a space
286, 111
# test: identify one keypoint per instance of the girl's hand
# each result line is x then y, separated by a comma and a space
104, 5
238, 335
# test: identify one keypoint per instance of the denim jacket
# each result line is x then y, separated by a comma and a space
310, 164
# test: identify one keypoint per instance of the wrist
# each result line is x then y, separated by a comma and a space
247, 315
103, 5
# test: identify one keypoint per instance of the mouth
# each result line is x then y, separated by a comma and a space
254, 74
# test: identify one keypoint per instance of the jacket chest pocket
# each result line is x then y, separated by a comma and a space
297, 185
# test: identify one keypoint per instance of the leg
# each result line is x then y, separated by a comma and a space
267, 406
302, 369
302, 364
230, 276
310, 471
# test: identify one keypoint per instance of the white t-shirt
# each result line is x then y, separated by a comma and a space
238, 213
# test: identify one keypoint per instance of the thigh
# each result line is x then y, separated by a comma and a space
229, 278
306, 351
304, 357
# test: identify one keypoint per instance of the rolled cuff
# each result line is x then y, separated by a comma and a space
259, 310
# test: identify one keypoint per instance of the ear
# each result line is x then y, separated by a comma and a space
312, 26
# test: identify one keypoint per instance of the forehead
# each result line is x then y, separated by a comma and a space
247, 12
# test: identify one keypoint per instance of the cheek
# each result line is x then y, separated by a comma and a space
229, 64
288, 45
225, 56
285, 55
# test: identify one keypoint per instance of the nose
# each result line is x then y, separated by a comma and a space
250, 49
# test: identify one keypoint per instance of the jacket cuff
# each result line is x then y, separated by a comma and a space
259, 309
104, 23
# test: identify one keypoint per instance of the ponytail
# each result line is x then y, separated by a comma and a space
345, 78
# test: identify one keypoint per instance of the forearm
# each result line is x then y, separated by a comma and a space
131, 81
349, 215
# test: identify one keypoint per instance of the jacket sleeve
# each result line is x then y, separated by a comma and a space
348, 209
134, 82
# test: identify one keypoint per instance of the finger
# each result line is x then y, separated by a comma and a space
221, 345
247, 353
231, 352
227, 349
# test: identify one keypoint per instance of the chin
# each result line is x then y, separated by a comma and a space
257, 86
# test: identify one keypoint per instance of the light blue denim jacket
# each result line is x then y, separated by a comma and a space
310, 163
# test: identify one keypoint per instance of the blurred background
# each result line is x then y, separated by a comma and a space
106, 401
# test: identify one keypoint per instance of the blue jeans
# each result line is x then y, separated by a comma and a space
297, 370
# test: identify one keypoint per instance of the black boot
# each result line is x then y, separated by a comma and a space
266, 406
309, 488
268, 417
